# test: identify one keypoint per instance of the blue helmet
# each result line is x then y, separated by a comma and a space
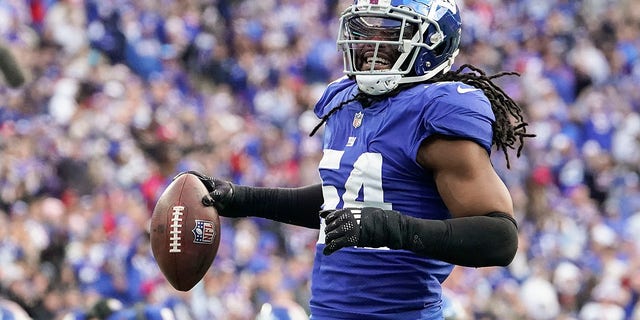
389, 42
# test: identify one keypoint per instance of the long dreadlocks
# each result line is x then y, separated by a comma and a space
509, 129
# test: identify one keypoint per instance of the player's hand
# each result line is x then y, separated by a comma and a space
361, 227
220, 191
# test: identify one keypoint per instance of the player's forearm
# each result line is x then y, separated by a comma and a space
297, 206
478, 241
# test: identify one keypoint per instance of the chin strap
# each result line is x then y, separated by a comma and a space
375, 85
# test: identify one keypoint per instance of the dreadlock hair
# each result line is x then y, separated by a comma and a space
509, 129
332, 111
364, 99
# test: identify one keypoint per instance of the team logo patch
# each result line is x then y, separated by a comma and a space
204, 232
357, 119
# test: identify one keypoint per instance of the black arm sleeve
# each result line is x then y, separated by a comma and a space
297, 206
477, 241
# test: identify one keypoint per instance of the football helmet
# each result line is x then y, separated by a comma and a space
389, 42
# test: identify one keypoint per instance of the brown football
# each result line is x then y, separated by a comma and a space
185, 234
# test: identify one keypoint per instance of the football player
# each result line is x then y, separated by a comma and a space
408, 188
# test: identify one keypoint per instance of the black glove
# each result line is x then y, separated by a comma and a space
362, 227
220, 192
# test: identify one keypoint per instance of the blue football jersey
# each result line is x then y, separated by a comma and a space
369, 160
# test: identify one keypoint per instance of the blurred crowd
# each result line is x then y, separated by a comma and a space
121, 95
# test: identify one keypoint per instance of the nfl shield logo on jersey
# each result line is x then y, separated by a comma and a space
357, 119
203, 232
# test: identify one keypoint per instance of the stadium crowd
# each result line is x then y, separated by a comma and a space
123, 94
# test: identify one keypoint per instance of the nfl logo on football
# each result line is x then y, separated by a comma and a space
203, 232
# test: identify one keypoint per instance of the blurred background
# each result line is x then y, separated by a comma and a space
120, 95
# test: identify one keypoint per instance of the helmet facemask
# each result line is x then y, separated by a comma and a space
380, 45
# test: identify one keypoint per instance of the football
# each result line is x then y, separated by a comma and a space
185, 234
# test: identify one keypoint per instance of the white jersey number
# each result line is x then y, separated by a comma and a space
366, 175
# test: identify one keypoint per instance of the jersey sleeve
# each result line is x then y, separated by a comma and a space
466, 115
